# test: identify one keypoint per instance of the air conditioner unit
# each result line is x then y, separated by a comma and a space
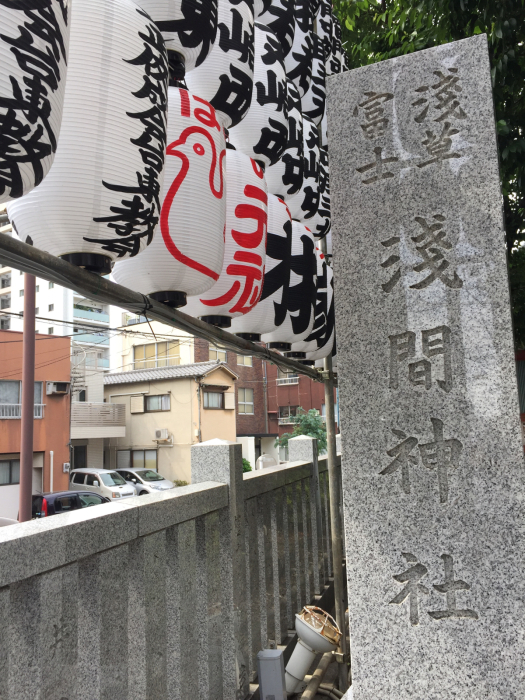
162, 434
65, 467
53, 388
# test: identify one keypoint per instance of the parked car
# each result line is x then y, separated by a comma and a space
64, 501
145, 480
102, 481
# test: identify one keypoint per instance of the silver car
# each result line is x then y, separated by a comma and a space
145, 480
102, 481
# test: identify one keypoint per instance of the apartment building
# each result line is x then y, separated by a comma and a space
51, 416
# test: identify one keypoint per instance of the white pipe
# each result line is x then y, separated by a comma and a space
298, 665
51, 456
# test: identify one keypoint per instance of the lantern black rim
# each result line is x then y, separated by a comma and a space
278, 345
218, 321
296, 355
252, 337
93, 262
172, 299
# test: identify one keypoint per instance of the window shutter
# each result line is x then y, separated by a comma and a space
123, 458
136, 404
229, 400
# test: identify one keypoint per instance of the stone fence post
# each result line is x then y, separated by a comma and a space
304, 449
220, 460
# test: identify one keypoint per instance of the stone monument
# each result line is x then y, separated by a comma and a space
433, 474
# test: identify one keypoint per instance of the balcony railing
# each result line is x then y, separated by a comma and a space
93, 315
93, 338
97, 414
287, 380
286, 420
14, 410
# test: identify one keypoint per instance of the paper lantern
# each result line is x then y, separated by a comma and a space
263, 133
313, 101
321, 221
100, 200
189, 27
185, 256
239, 285
298, 61
320, 341
34, 42
324, 130
306, 201
285, 178
324, 27
337, 62
294, 312
279, 16
264, 318
225, 80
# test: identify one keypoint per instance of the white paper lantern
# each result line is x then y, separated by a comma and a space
225, 79
298, 62
337, 62
320, 223
313, 101
100, 200
279, 16
294, 312
285, 178
324, 27
324, 130
186, 254
306, 201
266, 315
263, 133
320, 341
34, 43
239, 285
189, 27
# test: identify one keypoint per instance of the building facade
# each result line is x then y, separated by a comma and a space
167, 410
51, 416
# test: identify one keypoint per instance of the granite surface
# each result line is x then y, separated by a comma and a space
433, 474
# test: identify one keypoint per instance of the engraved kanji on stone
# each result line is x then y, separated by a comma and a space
403, 458
413, 588
374, 113
446, 92
441, 455
439, 146
389, 262
449, 588
434, 341
377, 166
430, 245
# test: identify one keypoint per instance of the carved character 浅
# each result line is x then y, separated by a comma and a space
446, 91
373, 108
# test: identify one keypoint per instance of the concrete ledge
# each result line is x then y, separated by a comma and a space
264, 480
31, 548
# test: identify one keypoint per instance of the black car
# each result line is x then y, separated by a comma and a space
64, 501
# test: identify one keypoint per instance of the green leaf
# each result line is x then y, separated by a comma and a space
477, 30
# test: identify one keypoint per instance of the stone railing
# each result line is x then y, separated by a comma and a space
168, 596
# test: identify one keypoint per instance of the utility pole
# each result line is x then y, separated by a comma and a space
28, 402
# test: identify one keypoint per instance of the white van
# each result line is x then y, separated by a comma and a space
102, 481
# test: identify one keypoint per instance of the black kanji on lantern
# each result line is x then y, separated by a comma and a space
198, 26
301, 296
279, 248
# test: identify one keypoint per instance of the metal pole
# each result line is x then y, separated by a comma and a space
335, 520
28, 402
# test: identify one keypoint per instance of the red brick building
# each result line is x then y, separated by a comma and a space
265, 398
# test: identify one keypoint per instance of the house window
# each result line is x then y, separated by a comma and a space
51, 285
156, 355
37, 288
9, 472
36, 310
51, 307
217, 354
50, 330
245, 401
21, 293
5, 281
286, 413
11, 399
213, 399
5, 301
82, 395
245, 360
79, 456
144, 459
5, 324
158, 403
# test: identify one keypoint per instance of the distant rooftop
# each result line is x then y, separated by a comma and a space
197, 369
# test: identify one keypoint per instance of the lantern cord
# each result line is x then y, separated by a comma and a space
21, 256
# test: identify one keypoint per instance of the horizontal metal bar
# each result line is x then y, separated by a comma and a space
39, 263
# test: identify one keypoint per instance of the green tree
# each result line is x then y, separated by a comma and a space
374, 30
306, 423
246, 466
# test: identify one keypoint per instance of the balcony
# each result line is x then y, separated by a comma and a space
287, 420
14, 410
92, 338
287, 380
97, 420
92, 315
